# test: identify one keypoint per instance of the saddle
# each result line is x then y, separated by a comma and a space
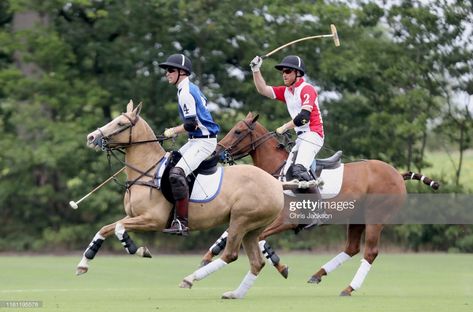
331, 162
161, 180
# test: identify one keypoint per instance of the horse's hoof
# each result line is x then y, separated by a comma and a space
345, 293
144, 252
204, 262
285, 272
81, 270
314, 279
185, 284
229, 295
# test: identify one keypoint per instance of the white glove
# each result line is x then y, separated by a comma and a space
281, 129
170, 133
256, 64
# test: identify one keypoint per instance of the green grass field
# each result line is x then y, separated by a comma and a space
412, 282
444, 165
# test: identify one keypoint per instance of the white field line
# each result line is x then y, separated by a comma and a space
10, 291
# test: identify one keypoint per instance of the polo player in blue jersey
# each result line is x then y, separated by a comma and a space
202, 132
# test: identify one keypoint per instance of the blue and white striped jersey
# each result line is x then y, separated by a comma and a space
193, 103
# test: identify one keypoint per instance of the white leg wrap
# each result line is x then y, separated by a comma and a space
84, 262
360, 274
263, 251
222, 237
119, 231
245, 285
335, 262
209, 269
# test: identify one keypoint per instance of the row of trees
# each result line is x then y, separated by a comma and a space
67, 67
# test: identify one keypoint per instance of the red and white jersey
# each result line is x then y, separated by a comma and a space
301, 96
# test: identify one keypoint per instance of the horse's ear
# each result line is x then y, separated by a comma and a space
255, 118
137, 109
129, 106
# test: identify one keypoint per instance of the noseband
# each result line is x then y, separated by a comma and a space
231, 155
104, 141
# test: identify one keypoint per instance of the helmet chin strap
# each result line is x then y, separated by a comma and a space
178, 76
294, 81
295, 78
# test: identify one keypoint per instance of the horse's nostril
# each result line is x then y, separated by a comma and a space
90, 138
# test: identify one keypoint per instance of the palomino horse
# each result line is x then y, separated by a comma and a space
248, 137
249, 200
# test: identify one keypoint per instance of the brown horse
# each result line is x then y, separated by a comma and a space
248, 137
249, 200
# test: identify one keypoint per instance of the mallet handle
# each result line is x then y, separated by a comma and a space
292, 42
99, 186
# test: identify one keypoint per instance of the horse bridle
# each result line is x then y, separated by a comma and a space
119, 146
231, 156
104, 140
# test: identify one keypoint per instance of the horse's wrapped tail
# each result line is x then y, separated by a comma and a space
417, 176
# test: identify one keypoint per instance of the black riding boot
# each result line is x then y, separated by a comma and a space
298, 172
180, 192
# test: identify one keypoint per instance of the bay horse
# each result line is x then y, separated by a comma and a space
249, 137
249, 200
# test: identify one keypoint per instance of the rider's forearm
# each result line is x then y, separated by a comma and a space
289, 125
179, 129
261, 85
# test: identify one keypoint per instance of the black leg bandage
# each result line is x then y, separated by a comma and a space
93, 248
128, 243
270, 254
219, 246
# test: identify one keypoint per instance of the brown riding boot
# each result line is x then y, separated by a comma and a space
179, 225
180, 192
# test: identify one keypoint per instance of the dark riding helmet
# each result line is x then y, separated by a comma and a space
292, 61
178, 61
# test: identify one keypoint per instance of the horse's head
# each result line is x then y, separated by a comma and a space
118, 132
243, 138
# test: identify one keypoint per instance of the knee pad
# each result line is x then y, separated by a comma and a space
299, 172
178, 181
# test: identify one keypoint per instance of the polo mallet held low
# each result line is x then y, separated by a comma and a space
333, 35
75, 204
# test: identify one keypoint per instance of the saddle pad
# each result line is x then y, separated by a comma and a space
333, 179
160, 170
210, 183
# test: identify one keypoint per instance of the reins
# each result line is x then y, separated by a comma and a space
254, 143
120, 146
233, 155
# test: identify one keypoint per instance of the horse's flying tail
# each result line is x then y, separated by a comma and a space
417, 176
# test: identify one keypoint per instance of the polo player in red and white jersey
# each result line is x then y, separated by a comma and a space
302, 103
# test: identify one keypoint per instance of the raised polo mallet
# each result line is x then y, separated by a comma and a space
75, 204
334, 35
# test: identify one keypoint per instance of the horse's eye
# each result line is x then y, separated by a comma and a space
237, 132
120, 124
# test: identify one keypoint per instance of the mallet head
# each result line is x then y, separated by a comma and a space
73, 204
335, 35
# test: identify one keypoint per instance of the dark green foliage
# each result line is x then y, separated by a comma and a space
382, 93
